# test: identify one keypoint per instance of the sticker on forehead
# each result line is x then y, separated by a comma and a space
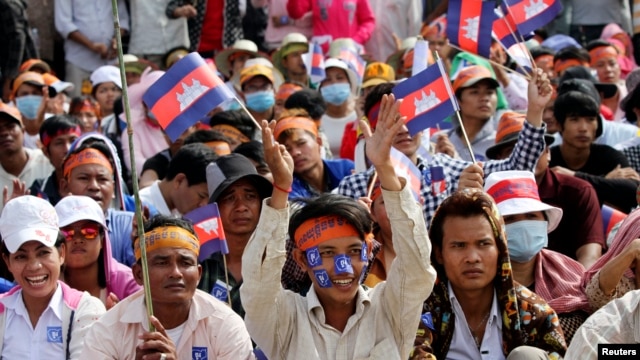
342, 264
313, 257
322, 277
364, 255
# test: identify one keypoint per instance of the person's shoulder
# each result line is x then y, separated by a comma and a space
208, 306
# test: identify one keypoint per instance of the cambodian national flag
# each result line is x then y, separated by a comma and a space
469, 24
427, 98
408, 170
530, 15
504, 29
611, 217
314, 62
354, 62
208, 226
189, 90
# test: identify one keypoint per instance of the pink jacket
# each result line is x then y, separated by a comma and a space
336, 18
120, 279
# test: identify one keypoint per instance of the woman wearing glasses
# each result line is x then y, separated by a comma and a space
89, 265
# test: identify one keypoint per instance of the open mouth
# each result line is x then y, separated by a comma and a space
37, 280
342, 282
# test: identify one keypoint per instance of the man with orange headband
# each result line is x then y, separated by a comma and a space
604, 59
312, 175
338, 317
189, 324
18, 165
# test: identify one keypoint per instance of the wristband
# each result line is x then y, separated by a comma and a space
288, 191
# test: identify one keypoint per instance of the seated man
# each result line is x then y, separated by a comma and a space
615, 323
238, 189
188, 323
556, 278
579, 235
338, 317
477, 310
185, 186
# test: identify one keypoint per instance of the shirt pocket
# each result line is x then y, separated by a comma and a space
384, 350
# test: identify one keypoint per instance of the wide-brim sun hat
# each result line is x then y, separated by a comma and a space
337, 63
290, 43
242, 45
228, 169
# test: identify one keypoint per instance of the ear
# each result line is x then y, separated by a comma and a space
319, 139
62, 252
179, 179
64, 186
438, 251
136, 269
5, 258
45, 151
199, 272
300, 259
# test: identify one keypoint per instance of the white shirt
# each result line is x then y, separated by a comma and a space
152, 195
165, 33
23, 341
400, 17
463, 346
94, 19
37, 167
334, 129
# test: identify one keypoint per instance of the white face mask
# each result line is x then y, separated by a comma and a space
526, 238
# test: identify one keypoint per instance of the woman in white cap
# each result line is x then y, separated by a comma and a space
338, 89
106, 88
89, 265
47, 318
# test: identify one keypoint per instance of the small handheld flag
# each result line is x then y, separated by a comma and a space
314, 62
469, 25
408, 170
610, 218
354, 62
427, 98
530, 15
208, 226
184, 94
420, 56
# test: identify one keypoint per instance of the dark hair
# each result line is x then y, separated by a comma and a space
633, 102
56, 123
574, 103
572, 52
204, 136
375, 95
236, 118
332, 204
253, 150
598, 43
94, 144
309, 100
191, 160
541, 50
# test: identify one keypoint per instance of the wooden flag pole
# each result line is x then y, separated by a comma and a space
519, 38
226, 279
374, 178
134, 176
496, 64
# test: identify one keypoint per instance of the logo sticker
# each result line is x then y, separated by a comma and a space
427, 320
343, 264
199, 353
54, 334
322, 277
313, 257
364, 255
220, 291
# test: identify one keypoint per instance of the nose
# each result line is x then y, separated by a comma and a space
472, 256
34, 264
175, 272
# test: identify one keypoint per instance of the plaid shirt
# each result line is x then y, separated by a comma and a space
525, 155
212, 273
633, 155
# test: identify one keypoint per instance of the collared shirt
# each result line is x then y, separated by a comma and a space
213, 281
212, 331
463, 345
94, 19
38, 166
153, 195
618, 322
286, 325
24, 341
524, 157
334, 172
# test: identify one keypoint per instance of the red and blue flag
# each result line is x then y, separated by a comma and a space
428, 99
530, 15
208, 227
314, 62
610, 218
189, 90
469, 24
353, 61
504, 29
407, 169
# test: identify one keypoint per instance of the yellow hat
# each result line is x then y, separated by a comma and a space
377, 73
252, 71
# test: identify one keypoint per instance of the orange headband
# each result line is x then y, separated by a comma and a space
295, 122
602, 52
86, 156
318, 230
561, 65
221, 148
231, 132
168, 236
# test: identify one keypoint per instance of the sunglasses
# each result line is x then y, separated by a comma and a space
88, 231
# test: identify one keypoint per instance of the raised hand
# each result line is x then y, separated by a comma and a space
19, 189
280, 163
539, 93
472, 177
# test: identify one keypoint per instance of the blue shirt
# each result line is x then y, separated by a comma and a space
334, 171
119, 225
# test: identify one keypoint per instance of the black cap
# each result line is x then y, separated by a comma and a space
228, 169
581, 72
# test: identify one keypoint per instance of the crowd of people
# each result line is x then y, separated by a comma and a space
518, 239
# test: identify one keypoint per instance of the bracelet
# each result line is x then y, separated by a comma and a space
288, 191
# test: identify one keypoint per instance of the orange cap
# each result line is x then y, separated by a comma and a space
11, 111
469, 76
28, 77
30, 64
285, 90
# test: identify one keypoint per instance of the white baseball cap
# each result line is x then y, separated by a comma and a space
74, 208
28, 218
104, 74
516, 192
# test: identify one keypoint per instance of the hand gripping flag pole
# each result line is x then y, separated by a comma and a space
134, 176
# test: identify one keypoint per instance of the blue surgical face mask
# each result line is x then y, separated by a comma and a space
261, 100
336, 94
525, 239
28, 105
